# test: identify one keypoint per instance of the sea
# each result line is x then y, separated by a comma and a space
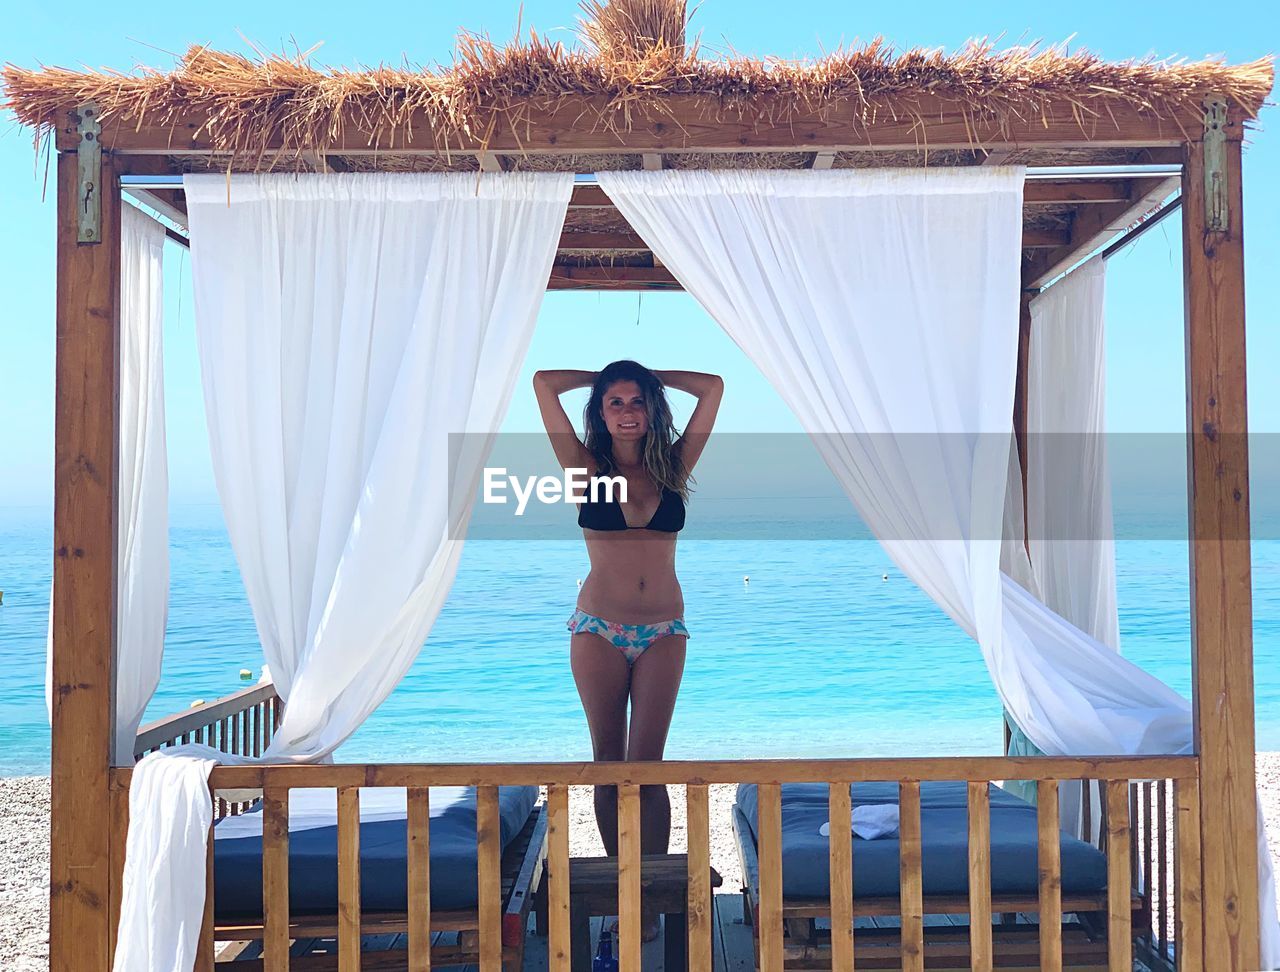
805, 642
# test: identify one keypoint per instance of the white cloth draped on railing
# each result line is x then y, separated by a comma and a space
1069, 528
142, 550
883, 307
359, 338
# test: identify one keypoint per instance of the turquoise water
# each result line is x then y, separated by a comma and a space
816, 656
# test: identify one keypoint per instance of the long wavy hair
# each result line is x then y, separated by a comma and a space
661, 461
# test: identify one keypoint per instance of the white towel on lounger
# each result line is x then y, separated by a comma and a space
870, 821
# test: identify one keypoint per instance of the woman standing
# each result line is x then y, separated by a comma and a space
628, 633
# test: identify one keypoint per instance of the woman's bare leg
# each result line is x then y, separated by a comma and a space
603, 677
655, 681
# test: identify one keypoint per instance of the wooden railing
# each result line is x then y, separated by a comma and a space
242, 723
1114, 774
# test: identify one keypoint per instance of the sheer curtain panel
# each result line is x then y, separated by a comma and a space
359, 338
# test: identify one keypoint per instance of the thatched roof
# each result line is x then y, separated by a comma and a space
286, 104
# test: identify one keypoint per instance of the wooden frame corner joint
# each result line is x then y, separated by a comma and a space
1216, 215
89, 163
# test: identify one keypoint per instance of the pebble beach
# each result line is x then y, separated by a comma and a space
24, 852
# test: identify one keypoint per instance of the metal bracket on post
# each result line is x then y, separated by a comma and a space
89, 161
1215, 164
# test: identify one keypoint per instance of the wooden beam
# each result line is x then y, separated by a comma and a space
1086, 192
1221, 606
612, 278
86, 416
601, 241
1039, 193
696, 123
1033, 239
1095, 226
596, 241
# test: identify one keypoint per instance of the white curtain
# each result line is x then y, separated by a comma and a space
1069, 521
142, 549
359, 337
883, 307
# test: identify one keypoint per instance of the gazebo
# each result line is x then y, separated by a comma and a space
1106, 150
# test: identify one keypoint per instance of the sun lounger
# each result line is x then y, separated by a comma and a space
313, 878
945, 866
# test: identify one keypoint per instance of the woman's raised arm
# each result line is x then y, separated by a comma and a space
548, 386
708, 390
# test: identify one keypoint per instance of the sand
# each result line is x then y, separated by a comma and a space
24, 852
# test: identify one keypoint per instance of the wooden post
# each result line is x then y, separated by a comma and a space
1218, 504
1021, 400
84, 576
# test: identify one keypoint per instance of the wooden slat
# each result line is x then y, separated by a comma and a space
679, 772
980, 954
1221, 608
1189, 934
489, 876
698, 827
1162, 862
85, 514
911, 876
348, 879
1050, 866
840, 821
769, 842
558, 951
1119, 887
419, 861
275, 878
204, 947
629, 918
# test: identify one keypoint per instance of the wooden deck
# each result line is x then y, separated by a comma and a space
732, 945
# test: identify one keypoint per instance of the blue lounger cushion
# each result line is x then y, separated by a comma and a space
313, 849
944, 831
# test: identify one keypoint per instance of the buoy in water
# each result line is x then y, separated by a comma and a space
197, 703
746, 579
579, 583
246, 673
884, 577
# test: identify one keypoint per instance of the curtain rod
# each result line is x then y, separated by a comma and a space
1034, 174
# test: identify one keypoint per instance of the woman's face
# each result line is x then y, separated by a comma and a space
624, 412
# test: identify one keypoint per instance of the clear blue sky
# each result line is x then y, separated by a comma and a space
665, 331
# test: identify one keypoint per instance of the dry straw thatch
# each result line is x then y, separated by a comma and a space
634, 62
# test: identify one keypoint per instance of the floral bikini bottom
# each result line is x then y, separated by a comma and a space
630, 639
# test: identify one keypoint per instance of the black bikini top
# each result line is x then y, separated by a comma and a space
608, 515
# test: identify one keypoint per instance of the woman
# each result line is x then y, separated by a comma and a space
628, 633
